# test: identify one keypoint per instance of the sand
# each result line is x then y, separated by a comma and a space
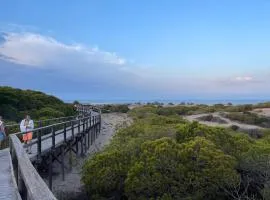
263, 111
72, 188
228, 121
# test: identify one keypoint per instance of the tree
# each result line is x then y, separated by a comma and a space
195, 170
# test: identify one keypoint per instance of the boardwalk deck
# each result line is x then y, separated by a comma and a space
8, 187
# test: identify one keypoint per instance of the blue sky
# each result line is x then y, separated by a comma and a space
137, 49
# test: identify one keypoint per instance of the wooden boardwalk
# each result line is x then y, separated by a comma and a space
47, 141
8, 187
19, 179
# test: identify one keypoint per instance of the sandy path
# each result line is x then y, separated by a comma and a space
72, 187
229, 122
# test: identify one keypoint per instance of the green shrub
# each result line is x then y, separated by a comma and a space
15, 103
195, 170
115, 108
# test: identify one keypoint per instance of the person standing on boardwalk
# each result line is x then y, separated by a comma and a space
26, 126
2, 132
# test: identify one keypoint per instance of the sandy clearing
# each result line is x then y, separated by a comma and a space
262, 111
229, 122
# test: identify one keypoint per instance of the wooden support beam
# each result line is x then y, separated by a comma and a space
65, 132
62, 149
82, 154
50, 169
70, 156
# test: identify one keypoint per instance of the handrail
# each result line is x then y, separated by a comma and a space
11, 128
40, 121
49, 126
31, 185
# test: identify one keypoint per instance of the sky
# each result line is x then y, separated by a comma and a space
137, 49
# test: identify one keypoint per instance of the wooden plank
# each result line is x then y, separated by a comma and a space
8, 187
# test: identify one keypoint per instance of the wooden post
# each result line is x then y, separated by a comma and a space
72, 129
94, 134
81, 144
88, 133
51, 157
91, 137
70, 155
90, 121
53, 137
83, 125
62, 162
79, 127
77, 145
99, 122
50, 169
84, 135
65, 132
96, 126
39, 144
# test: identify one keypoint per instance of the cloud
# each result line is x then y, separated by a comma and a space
40, 57
33, 51
40, 51
244, 78
32, 60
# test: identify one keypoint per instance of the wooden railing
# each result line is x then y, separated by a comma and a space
38, 123
15, 128
30, 185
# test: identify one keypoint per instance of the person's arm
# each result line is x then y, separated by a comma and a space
4, 130
31, 124
22, 126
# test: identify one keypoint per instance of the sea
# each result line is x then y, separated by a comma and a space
167, 101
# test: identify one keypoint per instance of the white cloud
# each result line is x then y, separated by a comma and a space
107, 70
40, 51
244, 78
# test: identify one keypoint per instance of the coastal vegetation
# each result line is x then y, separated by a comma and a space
15, 103
122, 108
163, 156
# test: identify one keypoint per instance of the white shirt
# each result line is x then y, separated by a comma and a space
2, 127
25, 128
